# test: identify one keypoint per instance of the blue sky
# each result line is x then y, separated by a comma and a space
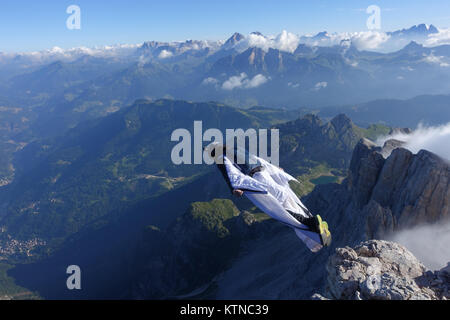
36, 25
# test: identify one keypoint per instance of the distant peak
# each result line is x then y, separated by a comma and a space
341, 121
419, 29
149, 44
235, 38
310, 117
413, 45
257, 33
432, 29
321, 35
426, 28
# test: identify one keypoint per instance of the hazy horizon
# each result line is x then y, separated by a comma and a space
35, 26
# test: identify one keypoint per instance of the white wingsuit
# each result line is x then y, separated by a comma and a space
269, 190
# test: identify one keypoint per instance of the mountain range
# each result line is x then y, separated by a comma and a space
241, 71
83, 84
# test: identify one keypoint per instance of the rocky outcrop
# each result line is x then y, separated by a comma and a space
383, 194
382, 270
387, 190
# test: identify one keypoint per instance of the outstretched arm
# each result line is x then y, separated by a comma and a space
237, 181
235, 192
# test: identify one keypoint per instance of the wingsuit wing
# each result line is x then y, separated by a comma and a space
238, 180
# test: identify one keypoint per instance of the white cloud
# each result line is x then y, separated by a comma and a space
142, 61
428, 243
326, 40
434, 139
210, 80
350, 62
369, 40
242, 81
440, 38
257, 80
320, 85
431, 58
165, 54
365, 40
256, 40
234, 82
285, 41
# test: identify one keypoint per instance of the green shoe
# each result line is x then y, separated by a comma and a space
325, 234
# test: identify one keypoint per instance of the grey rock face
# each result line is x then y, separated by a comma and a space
385, 195
364, 170
414, 187
400, 130
389, 146
382, 270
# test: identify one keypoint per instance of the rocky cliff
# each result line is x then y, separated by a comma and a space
382, 270
387, 189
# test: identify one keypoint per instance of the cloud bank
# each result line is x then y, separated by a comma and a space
57, 53
285, 41
430, 244
437, 39
376, 40
434, 139
369, 40
365, 40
